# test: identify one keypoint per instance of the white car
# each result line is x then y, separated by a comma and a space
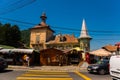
115, 67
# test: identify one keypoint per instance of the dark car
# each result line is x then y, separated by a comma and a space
3, 64
101, 67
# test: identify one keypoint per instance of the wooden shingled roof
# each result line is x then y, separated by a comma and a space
68, 39
110, 48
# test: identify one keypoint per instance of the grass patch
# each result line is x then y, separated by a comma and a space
7, 47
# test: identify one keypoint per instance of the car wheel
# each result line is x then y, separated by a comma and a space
102, 71
89, 72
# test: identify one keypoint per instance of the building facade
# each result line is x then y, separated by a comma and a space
42, 37
40, 34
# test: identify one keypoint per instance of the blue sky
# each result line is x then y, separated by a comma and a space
65, 16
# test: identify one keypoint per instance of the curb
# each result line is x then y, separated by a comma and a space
49, 68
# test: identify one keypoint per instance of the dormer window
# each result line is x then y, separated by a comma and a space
62, 39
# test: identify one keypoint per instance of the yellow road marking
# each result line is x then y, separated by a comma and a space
47, 73
82, 75
44, 75
34, 78
34, 70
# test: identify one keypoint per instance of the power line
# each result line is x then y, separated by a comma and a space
95, 32
18, 21
106, 39
16, 5
67, 30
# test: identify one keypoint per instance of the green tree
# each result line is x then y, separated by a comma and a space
3, 29
6, 29
12, 36
15, 36
25, 35
1, 33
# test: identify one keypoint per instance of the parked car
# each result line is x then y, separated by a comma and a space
3, 64
115, 67
101, 67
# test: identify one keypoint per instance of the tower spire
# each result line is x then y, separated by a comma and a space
84, 32
84, 38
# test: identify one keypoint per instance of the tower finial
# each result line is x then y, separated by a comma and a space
43, 17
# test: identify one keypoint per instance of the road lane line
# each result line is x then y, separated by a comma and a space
82, 75
44, 75
47, 73
34, 78
35, 70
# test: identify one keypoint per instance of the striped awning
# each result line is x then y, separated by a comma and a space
29, 51
5, 51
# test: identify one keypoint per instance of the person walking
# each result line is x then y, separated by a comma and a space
24, 60
28, 60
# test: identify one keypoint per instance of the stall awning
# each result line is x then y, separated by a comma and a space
29, 51
77, 49
100, 52
5, 51
1, 47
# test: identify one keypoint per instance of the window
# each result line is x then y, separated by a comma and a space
37, 38
62, 39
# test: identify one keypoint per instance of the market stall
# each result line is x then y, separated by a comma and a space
16, 56
52, 57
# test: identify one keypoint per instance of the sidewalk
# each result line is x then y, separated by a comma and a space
70, 68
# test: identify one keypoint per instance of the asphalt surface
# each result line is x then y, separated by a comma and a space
69, 69
13, 72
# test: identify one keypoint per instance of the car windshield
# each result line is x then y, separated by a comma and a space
102, 62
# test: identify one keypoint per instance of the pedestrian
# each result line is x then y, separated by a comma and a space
28, 60
24, 60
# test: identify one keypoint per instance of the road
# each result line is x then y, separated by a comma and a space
97, 76
13, 74
10, 74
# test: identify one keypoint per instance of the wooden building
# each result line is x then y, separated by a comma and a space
53, 57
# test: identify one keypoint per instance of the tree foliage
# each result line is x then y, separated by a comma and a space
25, 35
10, 35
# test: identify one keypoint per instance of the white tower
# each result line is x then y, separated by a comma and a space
84, 38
